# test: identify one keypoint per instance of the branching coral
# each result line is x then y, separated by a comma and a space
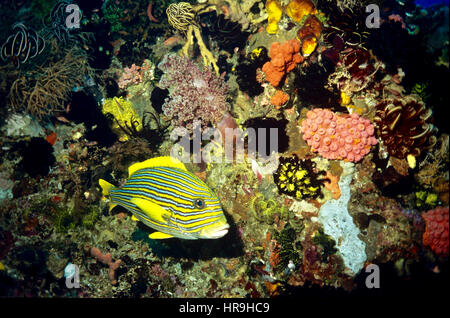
298, 178
43, 92
404, 125
195, 94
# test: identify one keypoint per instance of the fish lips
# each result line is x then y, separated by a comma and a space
218, 232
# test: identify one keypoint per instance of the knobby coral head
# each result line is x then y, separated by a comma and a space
333, 136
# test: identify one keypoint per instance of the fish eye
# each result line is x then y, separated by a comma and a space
199, 203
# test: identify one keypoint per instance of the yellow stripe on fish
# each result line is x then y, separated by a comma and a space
164, 195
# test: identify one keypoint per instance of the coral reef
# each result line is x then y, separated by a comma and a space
356, 110
338, 136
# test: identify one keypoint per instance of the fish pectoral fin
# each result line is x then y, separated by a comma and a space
152, 210
159, 236
112, 206
106, 186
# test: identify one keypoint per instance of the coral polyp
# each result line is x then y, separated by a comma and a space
405, 126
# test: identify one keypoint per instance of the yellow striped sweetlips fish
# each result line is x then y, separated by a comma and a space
164, 195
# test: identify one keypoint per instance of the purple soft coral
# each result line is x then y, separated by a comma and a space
195, 94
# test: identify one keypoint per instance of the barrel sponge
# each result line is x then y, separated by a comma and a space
334, 136
436, 230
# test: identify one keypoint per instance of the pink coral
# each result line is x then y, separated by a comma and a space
107, 260
436, 230
335, 136
131, 75
194, 93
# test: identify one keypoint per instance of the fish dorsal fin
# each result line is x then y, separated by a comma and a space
166, 161
159, 236
152, 210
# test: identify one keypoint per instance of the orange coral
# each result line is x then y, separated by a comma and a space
279, 99
284, 57
312, 26
333, 185
297, 9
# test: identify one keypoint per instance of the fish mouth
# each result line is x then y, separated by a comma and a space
219, 232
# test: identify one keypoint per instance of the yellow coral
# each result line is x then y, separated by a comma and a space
309, 45
345, 99
298, 9
275, 11
124, 114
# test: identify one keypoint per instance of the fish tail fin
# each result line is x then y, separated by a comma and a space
106, 186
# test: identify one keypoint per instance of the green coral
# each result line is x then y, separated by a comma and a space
114, 14
290, 248
326, 242
426, 200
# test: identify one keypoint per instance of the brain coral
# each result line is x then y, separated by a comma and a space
335, 136
436, 230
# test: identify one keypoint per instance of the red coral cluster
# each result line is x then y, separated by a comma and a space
338, 136
283, 59
436, 230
